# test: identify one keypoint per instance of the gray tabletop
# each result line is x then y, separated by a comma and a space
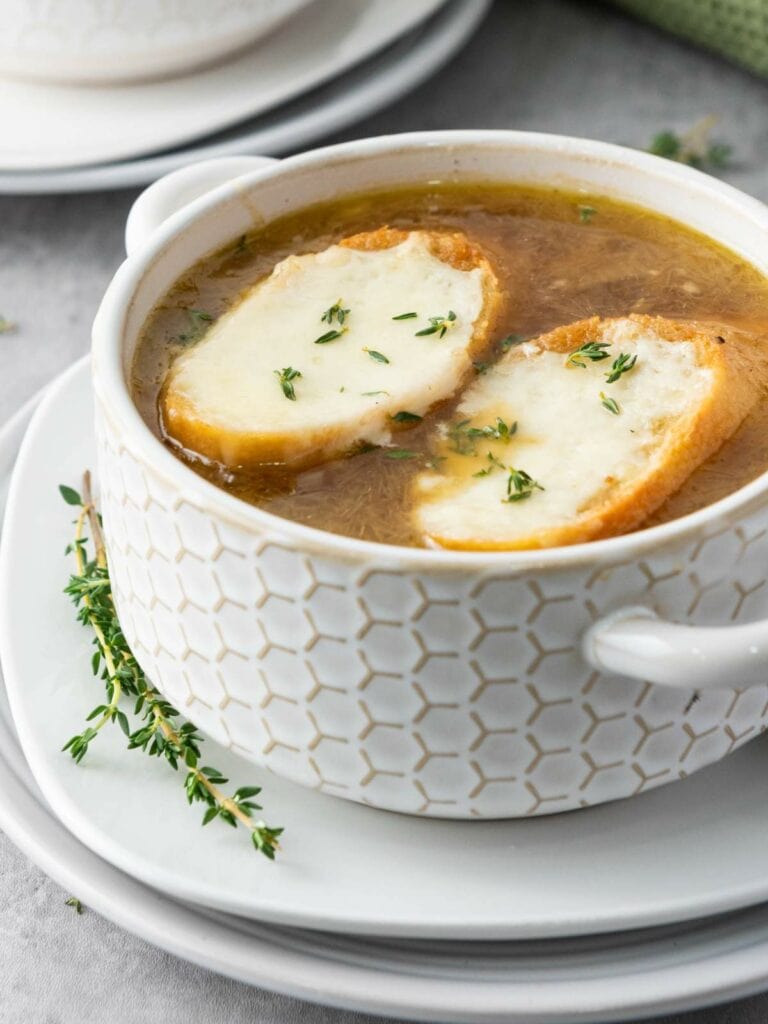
558, 65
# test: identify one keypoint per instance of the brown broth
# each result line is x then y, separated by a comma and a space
556, 264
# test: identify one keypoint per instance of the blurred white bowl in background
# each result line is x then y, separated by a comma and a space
86, 41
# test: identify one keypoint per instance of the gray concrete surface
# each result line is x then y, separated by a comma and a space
555, 65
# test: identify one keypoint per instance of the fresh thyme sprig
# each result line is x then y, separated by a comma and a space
338, 313
405, 316
285, 378
623, 363
500, 431
594, 351
586, 213
157, 732
74, 902
463, 438
520, 486
609, 403
438, 325
335, 312
694, 147
377, 357
407, 417
493, 465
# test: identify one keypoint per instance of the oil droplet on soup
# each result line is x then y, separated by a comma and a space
555, 265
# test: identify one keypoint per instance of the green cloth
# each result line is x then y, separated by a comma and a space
737, 29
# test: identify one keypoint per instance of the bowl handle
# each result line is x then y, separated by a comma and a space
635, 642
175, 190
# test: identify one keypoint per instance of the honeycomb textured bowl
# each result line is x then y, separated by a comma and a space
430, 683
454, 695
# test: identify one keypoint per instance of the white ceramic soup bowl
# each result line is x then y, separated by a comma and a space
437, 683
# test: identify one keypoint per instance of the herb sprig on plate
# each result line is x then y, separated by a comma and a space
694, 147
155, 728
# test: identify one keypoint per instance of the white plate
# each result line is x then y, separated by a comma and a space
366, 89
594, 979
693, 848
46, 126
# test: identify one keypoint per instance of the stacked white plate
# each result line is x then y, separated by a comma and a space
332, 63
624, 910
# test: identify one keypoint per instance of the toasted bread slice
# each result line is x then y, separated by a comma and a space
589, 458
358, 368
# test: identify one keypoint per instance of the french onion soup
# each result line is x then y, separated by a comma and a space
472, 366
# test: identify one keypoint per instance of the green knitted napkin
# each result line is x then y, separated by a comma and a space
738, 29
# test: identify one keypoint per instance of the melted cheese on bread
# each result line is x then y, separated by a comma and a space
224, 398
604, 455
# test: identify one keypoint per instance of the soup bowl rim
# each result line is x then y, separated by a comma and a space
113, 388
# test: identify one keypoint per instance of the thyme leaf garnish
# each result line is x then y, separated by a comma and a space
594, 351
480, 367
400, 453
520, 486
378, 357
586, 213
493, 464
155, 728
332, 335
335, 312
285, 378
370, 394
621, 364
74, 902
405, 316
438, 325
609, 403
463, 437
406, 417
500, 432
459, 440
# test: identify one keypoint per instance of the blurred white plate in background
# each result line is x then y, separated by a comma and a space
46, 126
381, 80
